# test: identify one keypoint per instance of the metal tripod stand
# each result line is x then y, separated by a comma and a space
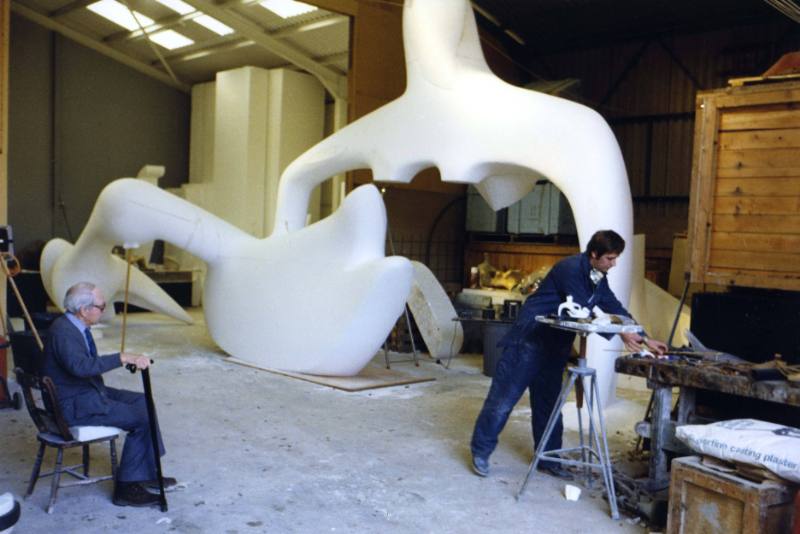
592, 452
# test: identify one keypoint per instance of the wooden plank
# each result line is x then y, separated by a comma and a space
759, 120
773, 262
781, 138
756, 172
784, 158
370, 377
755, 242
377, 64
768, 224
702, 186
757, 205
756, 96
773, 187
750, 80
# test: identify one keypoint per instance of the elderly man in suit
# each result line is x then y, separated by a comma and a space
72, 362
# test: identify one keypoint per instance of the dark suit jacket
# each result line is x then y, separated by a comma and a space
76, 374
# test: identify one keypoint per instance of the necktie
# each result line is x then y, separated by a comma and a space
90, 342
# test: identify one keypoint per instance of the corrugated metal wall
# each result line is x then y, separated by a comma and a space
646, 90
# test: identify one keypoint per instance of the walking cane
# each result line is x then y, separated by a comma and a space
148, 392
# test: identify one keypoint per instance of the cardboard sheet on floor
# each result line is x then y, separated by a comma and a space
370, 377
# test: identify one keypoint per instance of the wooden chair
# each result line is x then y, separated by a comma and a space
41, 400
25, 349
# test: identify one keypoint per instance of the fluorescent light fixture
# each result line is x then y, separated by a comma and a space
119, 14
170, 39
177, 6
213, 24
287, 8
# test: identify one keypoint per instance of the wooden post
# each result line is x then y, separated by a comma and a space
125, 300
5, 17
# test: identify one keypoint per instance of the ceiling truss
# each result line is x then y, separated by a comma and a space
247, 33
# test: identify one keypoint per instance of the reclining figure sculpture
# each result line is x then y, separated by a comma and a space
456, 115
320, 300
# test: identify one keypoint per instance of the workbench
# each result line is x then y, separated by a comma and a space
690, 377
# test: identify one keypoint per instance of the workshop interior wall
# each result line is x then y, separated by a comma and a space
79, 120
30, 163
646, 90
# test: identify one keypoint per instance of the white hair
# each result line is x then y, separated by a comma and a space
79, 296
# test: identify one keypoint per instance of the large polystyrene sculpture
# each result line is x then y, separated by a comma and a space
320, 300
458, 116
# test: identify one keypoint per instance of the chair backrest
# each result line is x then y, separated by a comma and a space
41, 399
27, 354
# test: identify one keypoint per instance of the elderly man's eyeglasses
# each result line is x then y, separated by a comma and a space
101, 307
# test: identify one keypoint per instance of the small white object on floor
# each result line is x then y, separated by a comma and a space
572, 493
165, 520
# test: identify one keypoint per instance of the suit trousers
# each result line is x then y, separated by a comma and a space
128, 411
537, 366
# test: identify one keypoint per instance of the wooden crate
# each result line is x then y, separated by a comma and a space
703, 500
744, 215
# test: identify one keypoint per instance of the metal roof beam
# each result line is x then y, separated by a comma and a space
172, 21
218, 47
69, 8
334, 82
161, 24
169, 22
97, 46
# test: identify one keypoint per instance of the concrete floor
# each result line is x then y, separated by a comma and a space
260, 452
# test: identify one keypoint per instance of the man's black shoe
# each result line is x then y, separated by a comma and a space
133, 494
480, 466
556, 471
152, 485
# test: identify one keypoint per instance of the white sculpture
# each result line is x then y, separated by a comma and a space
458, 116
322, 299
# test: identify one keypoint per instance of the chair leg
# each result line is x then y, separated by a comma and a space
113, 447
56, 480
37, 467
86, 461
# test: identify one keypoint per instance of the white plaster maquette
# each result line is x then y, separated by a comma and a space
320, 300
458, 116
